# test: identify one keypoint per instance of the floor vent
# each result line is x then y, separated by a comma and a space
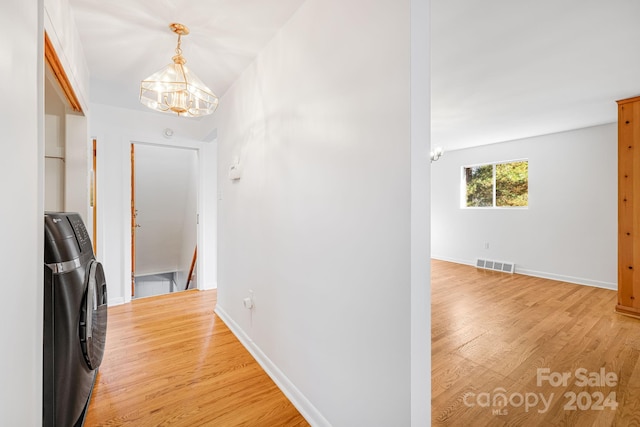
487, 264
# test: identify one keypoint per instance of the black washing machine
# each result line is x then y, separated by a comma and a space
75, 320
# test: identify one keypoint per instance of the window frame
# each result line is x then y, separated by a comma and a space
463, 185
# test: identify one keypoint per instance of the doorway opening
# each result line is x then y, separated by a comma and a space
164, 219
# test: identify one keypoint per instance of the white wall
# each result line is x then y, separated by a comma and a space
420, 214
59, 24
54, 137
67, 158
78, 162
22, 189
61, 28
569, 231
189, 226
319, 224
115, 129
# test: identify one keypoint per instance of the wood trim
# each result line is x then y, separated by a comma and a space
193, 264
628, 311
628, 207
627, 100
53, 61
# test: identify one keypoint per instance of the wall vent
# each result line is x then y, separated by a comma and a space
487, 264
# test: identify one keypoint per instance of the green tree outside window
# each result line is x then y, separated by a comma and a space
497, 185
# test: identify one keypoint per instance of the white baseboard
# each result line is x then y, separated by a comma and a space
302, 404
209, 286
543, 275
454, 260
568, 279
115, 301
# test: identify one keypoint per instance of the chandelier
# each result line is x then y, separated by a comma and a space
175, 89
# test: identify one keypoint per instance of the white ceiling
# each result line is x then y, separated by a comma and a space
501, 69
510, 69
125, 41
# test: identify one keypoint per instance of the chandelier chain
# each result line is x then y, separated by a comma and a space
178, 49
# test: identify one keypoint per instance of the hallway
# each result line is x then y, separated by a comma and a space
169, 360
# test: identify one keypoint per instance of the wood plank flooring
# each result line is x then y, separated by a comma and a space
492, 332
170, 360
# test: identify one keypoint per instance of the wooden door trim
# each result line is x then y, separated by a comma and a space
193, 264
53, 62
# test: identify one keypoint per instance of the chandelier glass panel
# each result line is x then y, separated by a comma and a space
175, 89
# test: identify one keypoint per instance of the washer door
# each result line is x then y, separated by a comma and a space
93, 316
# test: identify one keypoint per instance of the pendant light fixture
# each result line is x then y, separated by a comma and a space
175, 89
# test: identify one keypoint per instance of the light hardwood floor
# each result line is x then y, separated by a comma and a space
492, 332
170, 361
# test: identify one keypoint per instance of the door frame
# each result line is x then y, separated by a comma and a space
133, 210
204, 187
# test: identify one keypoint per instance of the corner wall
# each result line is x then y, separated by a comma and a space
21, 220
569, 231
318, 226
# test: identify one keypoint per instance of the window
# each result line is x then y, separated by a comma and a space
496, 185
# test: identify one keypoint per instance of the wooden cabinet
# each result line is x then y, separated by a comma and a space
629, 207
